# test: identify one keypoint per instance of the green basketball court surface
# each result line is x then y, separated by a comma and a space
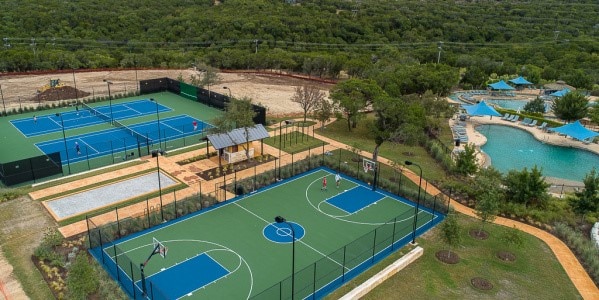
236, 250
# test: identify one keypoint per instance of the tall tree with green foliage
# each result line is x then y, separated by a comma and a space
488, 192
323, 111
535, 106
451, 231
352, 96
466, 163
587, 200
572, 106
528, 188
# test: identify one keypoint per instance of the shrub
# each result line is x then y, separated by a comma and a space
83, 279
583, 247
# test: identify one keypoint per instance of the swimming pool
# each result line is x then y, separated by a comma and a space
508, 103
511, 148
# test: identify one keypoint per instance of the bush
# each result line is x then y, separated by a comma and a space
587, 253
83, 279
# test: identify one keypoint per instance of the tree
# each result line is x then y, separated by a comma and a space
206, 77
572, 106
587, 200
535, 106
238, 114
487, 206
451, 231
352, 96
308, 97
528, 188
323, 111
466, 163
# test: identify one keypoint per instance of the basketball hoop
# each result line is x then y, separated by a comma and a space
368, 165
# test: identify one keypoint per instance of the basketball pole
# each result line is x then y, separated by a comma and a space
141, 268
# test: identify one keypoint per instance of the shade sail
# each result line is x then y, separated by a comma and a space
576, 130
501, 85
560, 93
520, 81
481, 109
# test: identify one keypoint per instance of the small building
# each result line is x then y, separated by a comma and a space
231, 146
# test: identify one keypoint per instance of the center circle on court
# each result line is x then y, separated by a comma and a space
281, 232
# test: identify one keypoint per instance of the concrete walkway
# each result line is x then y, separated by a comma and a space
186, 174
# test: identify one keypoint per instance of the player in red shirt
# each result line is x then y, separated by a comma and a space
324, 184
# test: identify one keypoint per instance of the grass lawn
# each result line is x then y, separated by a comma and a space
361, 138
535, 274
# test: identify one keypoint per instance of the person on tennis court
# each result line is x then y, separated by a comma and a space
34, 119
337, 179
324, 184
195, 125
77, 148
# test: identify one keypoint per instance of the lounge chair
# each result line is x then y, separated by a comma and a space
506, 116
543, 126
526, 121
533, 123
515, 118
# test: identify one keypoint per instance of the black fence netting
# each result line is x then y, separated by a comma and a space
313, 281
30, 169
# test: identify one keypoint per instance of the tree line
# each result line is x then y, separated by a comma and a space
544, 41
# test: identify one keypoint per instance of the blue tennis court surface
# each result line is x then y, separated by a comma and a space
115, 140
188, 276
81, 117
355, 199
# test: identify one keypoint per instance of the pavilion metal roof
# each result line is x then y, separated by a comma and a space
237, 136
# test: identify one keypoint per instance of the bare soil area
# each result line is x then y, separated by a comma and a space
270, 90
22, 223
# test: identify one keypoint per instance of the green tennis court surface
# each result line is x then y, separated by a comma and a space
236, 250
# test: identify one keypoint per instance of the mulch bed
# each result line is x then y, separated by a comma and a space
447, 257
479, 234
481, 283
59, 93
506, 256
228, 169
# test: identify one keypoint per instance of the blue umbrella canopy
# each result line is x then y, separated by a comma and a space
481, 109
501, 85
560, 93
520, 81
576, 130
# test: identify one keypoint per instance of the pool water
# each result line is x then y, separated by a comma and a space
511, 148
508, 103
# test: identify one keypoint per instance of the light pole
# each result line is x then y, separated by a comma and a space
280, 220
440, 47
287, 122
158, 119
108, 83
75, 86
2, 95
64, 138
417, 203
159, 184
226, 88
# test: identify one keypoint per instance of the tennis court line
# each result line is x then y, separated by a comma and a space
131, 108
175, 129
88, 146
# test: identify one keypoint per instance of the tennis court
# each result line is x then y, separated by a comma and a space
82, 117
237, 250
123, 139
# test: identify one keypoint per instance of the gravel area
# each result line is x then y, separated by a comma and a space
93, 199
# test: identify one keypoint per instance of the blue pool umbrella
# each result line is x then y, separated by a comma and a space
501, 85
576, 130
481, 109
520, 81
560, 93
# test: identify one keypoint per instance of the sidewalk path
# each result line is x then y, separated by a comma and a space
186, 174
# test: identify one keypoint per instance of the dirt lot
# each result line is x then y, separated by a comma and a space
24, 220
271, 91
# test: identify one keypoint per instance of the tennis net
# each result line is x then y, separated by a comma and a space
96, 112
115, 123
139, 136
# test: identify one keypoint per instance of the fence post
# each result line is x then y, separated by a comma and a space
116, 262
89, 236
393, 236
132, 279
373, 246
343, 266
322, 164
292, 166
118, 223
